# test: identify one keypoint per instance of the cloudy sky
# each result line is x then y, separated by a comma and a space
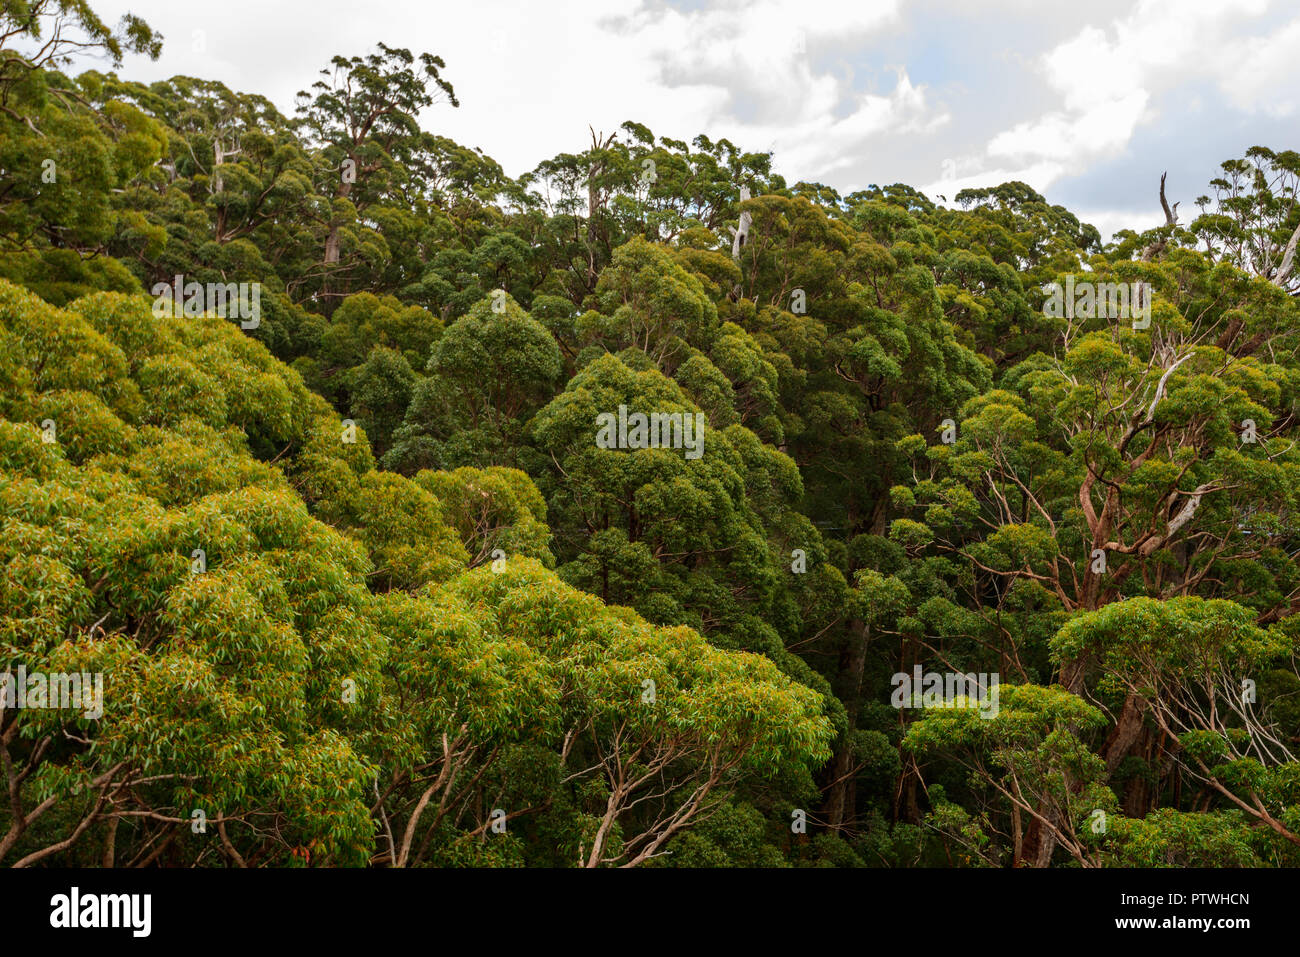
1088, 102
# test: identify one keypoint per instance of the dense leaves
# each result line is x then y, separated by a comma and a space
610, 515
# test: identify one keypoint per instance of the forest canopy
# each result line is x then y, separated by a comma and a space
362, 505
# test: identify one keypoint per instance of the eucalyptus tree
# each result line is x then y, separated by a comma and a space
362, 119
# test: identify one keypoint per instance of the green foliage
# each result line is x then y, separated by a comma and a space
261, 665
363, 574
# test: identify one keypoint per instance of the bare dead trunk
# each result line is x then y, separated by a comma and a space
742, 230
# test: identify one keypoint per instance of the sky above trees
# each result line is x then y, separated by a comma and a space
1087, 103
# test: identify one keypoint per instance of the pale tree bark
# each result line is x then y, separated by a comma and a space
219, 156
741, 231
640, 775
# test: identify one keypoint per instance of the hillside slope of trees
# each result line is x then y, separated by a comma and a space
367, 586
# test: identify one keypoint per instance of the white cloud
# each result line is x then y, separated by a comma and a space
1260, 72
815, 144
1072, 139
1109, 79
750, 68
1110, 221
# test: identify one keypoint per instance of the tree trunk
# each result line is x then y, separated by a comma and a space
329, 291
841, 798
742, 230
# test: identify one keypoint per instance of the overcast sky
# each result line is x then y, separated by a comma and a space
1087, 101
